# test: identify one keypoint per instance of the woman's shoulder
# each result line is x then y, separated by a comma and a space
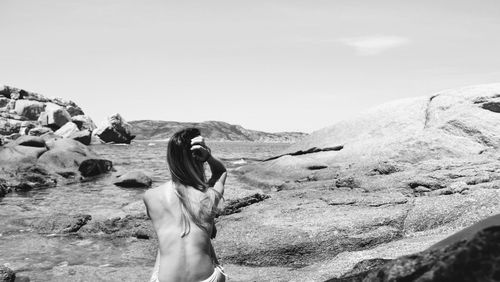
156, 194
156, 199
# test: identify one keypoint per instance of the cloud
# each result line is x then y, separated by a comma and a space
374, 45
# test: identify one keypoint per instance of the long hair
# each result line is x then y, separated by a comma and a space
187, 172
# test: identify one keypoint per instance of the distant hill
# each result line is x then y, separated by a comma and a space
212, 130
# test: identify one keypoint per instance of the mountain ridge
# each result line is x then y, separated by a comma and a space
212, 130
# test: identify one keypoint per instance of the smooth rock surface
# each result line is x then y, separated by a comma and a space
67, 129
408, 173
133, 179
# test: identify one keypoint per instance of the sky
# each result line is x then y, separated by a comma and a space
270, 65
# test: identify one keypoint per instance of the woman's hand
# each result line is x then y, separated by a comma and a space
200, 151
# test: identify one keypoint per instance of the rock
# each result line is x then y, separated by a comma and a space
67, 155
84, 122
74, 110
94, 167
29, 109
32, 176
4, 102
9, 126
38, 131
12, 156
54, 118
235, 206
4, 91
83, 136
133, 179
4, 189
6, 274
26, 126
30, 141
59, 223
115, 130
138, 226
475, 259
67, 129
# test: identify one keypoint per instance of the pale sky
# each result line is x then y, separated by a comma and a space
264, 64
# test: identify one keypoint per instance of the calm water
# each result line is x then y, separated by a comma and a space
35, 255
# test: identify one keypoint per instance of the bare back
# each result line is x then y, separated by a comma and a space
187, 258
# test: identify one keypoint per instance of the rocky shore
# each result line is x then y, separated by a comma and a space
404, 176
374, 198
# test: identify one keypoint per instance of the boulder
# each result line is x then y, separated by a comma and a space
38, 131
7, 274
54, 118
4, 91
29, 108
84, 122
94, 167
4, 102
31, 176
115, 130
26, 126
74, 110
67, 129
470, 259
30, 141
9, 126
4, 188
13, 156
133, 179
67, 156
82, 136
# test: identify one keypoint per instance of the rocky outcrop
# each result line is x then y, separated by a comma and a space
138, 226
408, 173
476, 258
57, 223
32, 162
115, 130
212, 130
134, 179
28, 113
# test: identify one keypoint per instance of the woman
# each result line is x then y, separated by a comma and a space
183, 210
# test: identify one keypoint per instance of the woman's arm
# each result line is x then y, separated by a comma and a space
218, 173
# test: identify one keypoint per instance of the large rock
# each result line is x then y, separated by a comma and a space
450, 124
30, 141
84, 122
4, 102
9, 126
82, 136
115, 130
68, 157
67, 130
12, 156
54, 118
29, 108
407, 173
38, 131
475, 258
26, 126
7, 274
133, 179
